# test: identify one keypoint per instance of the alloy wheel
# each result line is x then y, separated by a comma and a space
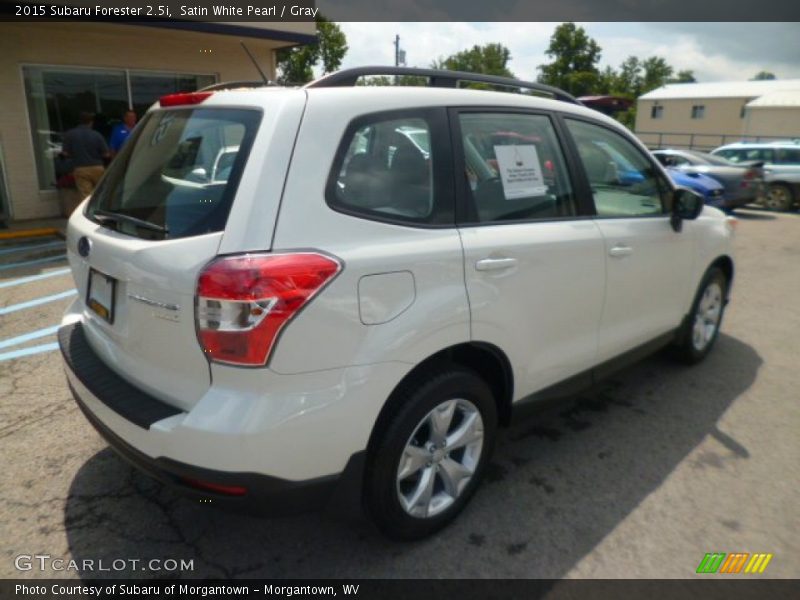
440, 458
778, 198
707, 316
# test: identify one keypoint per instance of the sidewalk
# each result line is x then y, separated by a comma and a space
34, 228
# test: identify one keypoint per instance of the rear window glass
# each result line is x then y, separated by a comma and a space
393, 167
177, 176
787, 156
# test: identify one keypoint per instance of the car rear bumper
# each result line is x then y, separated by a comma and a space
113, 406
736, 202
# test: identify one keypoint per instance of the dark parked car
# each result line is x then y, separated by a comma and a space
743, 182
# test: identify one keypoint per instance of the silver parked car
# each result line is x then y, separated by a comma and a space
781, 168
743, 182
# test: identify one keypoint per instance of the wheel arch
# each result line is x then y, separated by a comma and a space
486, 360
725, 264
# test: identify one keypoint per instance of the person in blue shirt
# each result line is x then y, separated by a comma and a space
121, 132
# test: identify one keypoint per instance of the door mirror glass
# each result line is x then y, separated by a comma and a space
687, 204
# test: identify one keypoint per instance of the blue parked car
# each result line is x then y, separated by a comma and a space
713, 191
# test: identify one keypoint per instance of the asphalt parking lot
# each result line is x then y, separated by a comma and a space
639, 480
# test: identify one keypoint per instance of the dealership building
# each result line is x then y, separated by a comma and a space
51, 72
707, 115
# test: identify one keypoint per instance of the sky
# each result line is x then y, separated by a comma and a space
714, 51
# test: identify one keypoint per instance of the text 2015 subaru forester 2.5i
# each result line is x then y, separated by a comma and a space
338, 291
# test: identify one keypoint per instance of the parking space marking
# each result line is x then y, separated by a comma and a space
27, 263
21, 339
22, 280
30, 247
28, 351
37, 302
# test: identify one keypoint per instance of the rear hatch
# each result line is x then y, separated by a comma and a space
156, 219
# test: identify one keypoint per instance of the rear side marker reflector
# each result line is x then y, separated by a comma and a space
183, 98
244, 301
217, 488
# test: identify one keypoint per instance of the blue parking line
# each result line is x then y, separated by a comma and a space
21, 339
27, 263
28, 351
30, 247
37, 302
30, 278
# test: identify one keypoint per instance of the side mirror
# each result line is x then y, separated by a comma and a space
686, 204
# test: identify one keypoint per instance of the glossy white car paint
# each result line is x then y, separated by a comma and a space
543, 308
259, 421
647, 283
560, 305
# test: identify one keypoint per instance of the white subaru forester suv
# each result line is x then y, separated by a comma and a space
337, 293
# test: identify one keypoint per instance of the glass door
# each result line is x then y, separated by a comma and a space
4, 199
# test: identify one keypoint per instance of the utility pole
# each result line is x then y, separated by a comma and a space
399, 55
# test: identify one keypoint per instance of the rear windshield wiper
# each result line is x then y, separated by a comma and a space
105, 215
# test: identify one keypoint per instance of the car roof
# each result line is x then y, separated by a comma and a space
779, 144
390, 97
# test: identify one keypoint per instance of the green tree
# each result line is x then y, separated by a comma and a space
295, 65
607, 81
375, 80
763, 75
384, 80
684, 77
491, 59
629, 80
656, 73
574, 60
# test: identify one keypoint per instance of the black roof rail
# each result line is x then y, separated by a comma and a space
232, 85
437, 78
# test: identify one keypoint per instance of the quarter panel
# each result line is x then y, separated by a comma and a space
329, 332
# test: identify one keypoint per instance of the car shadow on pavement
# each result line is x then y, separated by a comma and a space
754, 215
558, 484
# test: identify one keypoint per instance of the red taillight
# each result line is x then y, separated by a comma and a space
244, 301
182, 98
749, 176
228, 490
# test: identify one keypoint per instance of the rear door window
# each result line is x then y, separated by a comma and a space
178, 176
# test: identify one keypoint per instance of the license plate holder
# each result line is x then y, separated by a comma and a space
100, 295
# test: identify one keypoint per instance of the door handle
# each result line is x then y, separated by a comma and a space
494, 264
620, 251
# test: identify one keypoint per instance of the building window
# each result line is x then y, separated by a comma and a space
656, 112
57, 95
698, 111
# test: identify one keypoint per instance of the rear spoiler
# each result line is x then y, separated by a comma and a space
753, 164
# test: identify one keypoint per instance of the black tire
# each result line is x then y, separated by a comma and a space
779, 197
686, 348
410, 405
